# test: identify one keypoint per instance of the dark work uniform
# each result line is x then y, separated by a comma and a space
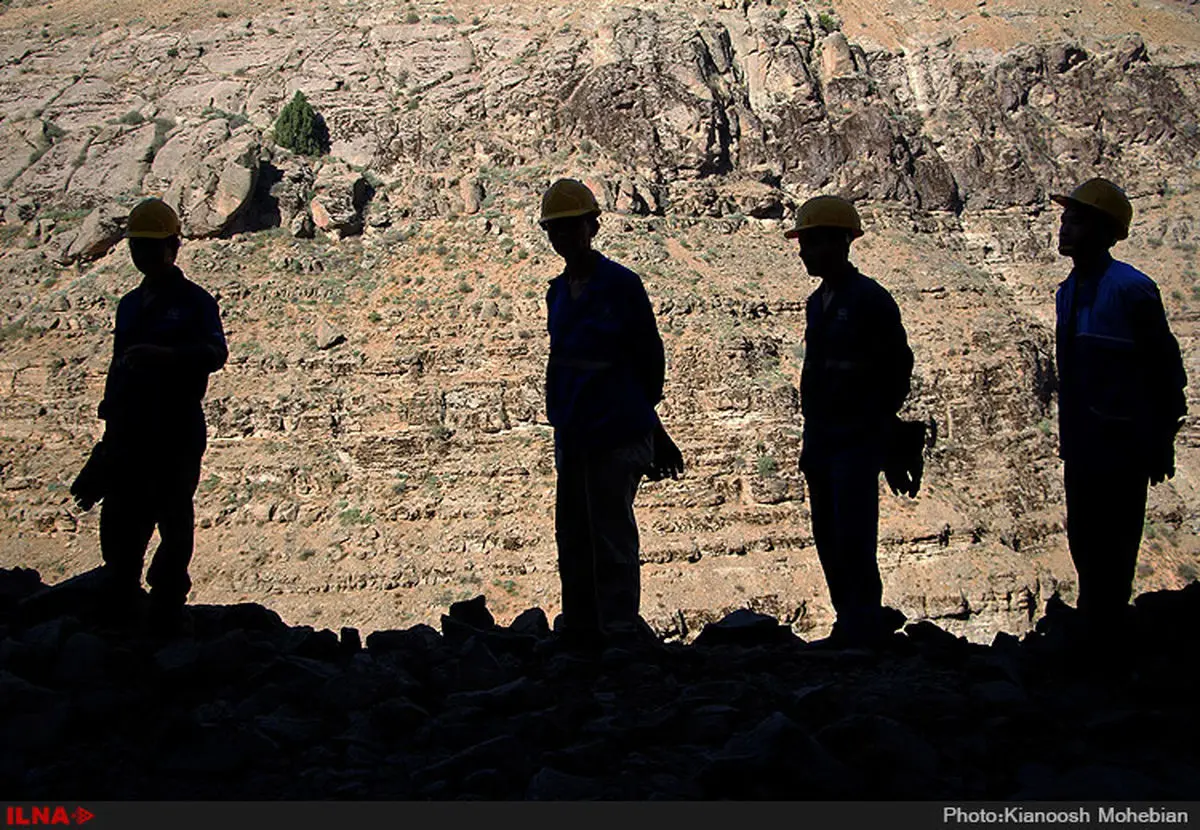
604, 377
155, 435
857, 369
1121, 395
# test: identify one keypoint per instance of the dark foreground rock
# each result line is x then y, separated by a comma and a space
239, 705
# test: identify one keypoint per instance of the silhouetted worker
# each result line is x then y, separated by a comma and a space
1121, 398
604, 377
857, 367
168, 339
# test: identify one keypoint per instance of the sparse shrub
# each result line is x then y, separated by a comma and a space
766, 466
235, 119
1187, 571
301, 129
412, 17
354, 516
828, 22
221, 13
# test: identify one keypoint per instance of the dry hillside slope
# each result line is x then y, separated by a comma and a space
378, 445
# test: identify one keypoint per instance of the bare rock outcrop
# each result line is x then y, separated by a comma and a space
103, 228
700, 128
208, 172
117, 159
341, 195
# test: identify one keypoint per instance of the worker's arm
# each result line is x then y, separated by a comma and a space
210, 351
894, 355
1166, 378
207, 351
116, 364
645, 347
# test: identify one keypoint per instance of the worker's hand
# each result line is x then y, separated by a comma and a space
1161, 471
1162, 464
145, 356
668, 460
1162, 455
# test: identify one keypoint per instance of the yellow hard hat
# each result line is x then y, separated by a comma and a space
566, 198
1104, 196
152, 219
827, 212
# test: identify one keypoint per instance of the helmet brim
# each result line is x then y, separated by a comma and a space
568, 214
794, 233
1119, 230
151, 234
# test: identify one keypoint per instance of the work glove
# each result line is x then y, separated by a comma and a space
668, 460
1162, 455
905, 463
92, 482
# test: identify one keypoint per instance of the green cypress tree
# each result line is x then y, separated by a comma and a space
300, 129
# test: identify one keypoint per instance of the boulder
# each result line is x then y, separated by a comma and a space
103, 228
744, 628
837, 61
327, 337
341, 194
293, 182
208, 173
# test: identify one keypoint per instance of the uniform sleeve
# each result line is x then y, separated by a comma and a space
210, 351
895, 356
1060, 338
1161, 357
646, 352
119, 345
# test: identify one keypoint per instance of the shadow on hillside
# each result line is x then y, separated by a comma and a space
243, 706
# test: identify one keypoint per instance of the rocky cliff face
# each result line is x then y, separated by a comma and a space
378, 446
